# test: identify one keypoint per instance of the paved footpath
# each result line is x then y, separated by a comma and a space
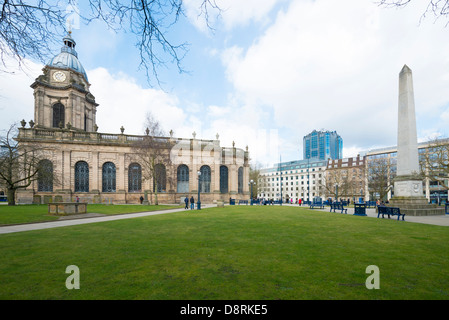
441, 220
82, 219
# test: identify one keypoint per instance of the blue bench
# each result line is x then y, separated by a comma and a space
371, 204
390, 211
446, 208
243, 202
338, 206
316, 205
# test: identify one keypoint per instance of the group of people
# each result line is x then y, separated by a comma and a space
192, 202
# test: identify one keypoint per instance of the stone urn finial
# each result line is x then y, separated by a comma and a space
23, 123
217, 136
31, 123
122, 129
194, 134
147, 131
171, 133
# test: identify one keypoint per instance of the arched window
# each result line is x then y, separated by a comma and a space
134, 177
159, 178
58, 115
240, 180
183, 179
223, 179
45, 176
205, 179
81, 177
108, 177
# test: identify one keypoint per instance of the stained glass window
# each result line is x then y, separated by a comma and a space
223, 179
134, 177
81, 177
205, 179
159, 178
108, 175
240, 180
183, 179
58, 115
45, 176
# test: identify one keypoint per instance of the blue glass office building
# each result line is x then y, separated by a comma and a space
323, 145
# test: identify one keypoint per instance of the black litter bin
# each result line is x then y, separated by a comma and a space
360, 209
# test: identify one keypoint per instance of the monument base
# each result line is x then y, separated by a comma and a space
416, 206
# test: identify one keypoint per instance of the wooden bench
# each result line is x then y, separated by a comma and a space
338, 206
390, 211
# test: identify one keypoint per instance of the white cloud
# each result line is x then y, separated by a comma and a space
335, 64
233, 13
124, 102
216, 111
16, 96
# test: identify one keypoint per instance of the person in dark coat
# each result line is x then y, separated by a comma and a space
192, 203
186, 200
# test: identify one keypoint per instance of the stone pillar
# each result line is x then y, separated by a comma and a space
408, 186
94, 178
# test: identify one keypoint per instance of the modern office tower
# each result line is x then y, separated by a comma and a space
323, 145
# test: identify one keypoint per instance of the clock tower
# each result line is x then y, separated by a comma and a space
61, 94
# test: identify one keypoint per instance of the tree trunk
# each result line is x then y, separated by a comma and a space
11, 193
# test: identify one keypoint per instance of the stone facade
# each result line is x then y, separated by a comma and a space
65, 130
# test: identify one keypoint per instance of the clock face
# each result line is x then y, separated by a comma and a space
59, 76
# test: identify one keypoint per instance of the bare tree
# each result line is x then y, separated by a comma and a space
254, 174
29, 28
20, 165
434, 162
439, 8
153, 151
380, 178
339, 183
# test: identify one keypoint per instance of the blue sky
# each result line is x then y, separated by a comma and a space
270, 73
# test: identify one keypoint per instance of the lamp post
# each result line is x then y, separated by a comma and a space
198, 204
251, 183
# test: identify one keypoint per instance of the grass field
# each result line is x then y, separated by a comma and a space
39, 213
238, 252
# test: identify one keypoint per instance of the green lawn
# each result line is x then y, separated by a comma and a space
39, 213
238, 252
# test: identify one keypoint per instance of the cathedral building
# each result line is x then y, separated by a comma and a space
104, 168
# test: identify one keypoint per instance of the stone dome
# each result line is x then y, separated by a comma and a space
68, 58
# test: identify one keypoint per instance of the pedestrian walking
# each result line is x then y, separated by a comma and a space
186, 201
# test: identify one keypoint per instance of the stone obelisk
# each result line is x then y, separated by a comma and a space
408, 185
